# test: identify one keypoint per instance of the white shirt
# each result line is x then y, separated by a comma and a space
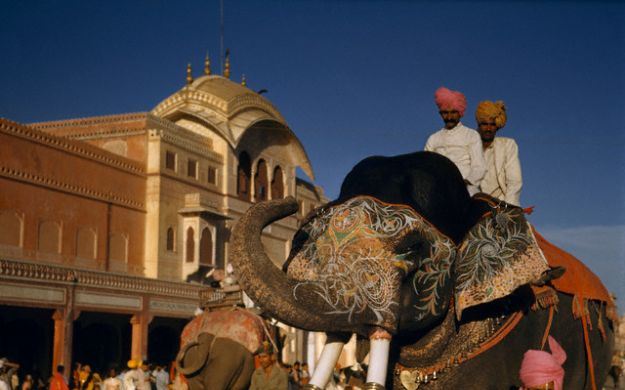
162, 379
111, 384
503, 171
134, 379
463, 146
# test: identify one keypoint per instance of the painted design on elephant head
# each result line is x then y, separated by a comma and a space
352, 256
434, 272
498, 254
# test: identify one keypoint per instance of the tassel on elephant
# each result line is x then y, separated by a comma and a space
439, 282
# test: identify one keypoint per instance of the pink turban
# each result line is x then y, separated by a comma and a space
448, 99
540, 367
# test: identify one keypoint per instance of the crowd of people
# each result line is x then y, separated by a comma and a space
136, 375
295, 376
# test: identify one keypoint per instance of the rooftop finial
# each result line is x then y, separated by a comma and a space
189, 76
227, 66
244, 81
207, 65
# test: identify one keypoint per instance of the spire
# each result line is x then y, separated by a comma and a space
244, 81
207, 65
189, 76
227, 66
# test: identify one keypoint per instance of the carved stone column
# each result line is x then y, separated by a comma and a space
64, 329
58, 349
139, 346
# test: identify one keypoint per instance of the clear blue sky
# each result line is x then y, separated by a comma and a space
356, 78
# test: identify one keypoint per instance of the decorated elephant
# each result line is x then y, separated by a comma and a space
217, 349
450, 290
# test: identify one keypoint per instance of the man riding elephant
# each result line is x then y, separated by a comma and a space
455, 141
503, 178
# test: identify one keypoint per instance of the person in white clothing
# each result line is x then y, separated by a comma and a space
161, 378
134, 379
112, 382
457, 142
503, 178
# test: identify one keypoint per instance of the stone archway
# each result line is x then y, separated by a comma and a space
27, 336
102, 340
164, 339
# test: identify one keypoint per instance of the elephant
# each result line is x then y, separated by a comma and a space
217, 349
449, 289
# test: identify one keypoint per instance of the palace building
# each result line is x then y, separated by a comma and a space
102, 219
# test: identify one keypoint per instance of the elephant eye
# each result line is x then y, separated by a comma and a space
409, 247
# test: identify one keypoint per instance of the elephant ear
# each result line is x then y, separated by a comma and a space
498, 255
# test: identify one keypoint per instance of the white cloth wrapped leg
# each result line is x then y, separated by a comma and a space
378, 360
325, 365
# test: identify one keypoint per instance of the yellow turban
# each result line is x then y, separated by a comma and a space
134, 363
488, 110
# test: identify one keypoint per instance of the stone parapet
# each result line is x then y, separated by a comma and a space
48, 273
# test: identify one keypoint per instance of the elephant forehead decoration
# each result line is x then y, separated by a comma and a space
498, 255
350, 256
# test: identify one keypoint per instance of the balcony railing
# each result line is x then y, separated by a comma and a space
41, 272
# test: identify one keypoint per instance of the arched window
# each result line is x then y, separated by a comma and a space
10, 228
212, 175
118, 251
86, 244
277, 184
171, 239
206, 247
260, 181
244, 173
190, 246
49, 237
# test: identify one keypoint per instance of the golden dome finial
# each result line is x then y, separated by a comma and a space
227, 65
207, 65
189, 76
243, 81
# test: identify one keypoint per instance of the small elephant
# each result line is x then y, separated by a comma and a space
217, 349
441, 284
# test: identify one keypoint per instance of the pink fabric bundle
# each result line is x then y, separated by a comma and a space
540, 367
451, 100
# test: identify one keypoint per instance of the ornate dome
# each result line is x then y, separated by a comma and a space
230, 110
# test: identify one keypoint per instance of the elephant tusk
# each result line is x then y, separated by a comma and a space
325, 365
380, 341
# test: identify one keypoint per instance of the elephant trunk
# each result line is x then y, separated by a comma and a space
264, 282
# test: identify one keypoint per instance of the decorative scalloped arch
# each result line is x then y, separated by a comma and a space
11, 228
